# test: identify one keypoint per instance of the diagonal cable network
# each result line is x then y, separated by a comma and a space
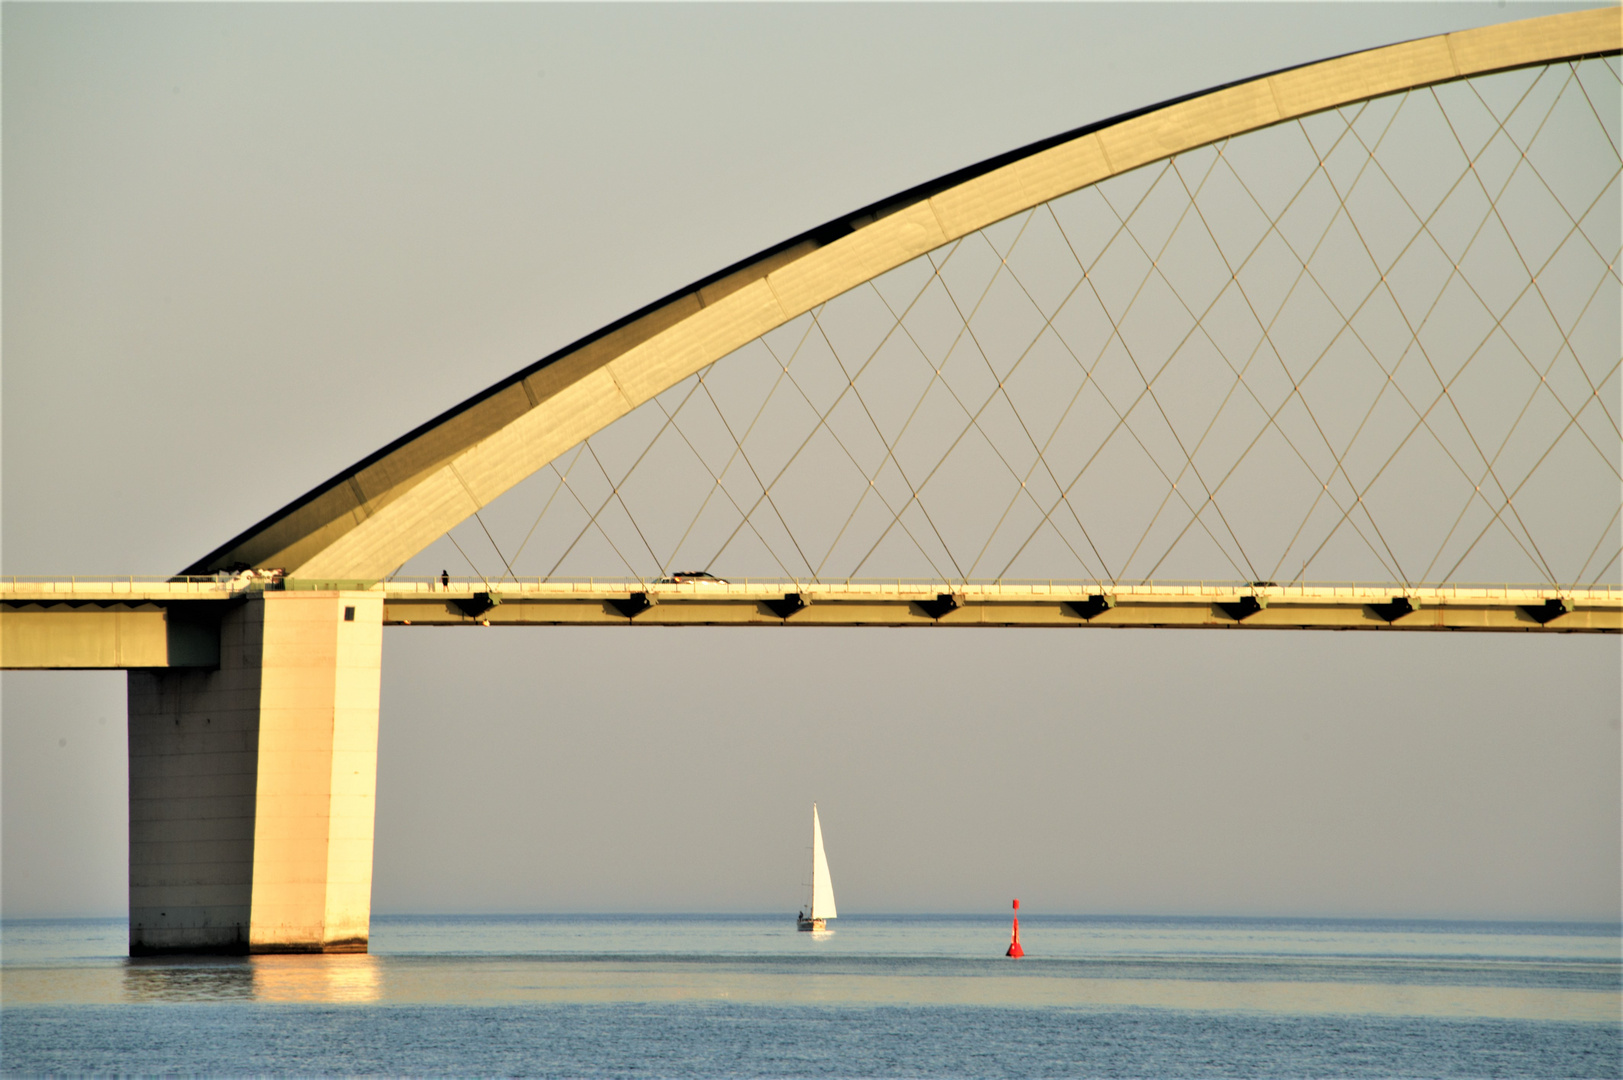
1495, 212
1271, 416
1498, 325
1122, 417
963, 322
1418, 347
899, 322
1321, 330
1149, 383
1343, 212
1273, 228
716, 484
613, 497
1122, 422
1347, 327
563, 478
1001, 388
850, 379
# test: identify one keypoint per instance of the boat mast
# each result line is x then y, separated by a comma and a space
811, 905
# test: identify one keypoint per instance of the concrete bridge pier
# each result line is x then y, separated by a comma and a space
252, 786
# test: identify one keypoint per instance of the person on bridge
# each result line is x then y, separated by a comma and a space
445, 580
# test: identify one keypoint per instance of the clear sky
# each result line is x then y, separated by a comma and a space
247, 245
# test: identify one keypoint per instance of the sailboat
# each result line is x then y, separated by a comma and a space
815, 916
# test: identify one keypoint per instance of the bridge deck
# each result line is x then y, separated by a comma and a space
111, 623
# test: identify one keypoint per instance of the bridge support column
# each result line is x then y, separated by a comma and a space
252, 787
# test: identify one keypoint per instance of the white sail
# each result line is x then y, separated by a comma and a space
822, 905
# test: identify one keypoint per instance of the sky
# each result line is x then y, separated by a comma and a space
246, 245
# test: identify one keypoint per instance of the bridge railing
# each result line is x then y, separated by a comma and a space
35, 589
745, 586
135, 585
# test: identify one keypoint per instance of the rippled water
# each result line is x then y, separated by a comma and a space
902, 996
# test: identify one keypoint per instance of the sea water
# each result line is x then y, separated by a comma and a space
743, 996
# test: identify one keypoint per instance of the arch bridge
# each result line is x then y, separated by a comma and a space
1332, 348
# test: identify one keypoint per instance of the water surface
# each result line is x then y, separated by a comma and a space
880, 996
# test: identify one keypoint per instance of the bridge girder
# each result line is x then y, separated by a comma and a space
91, 625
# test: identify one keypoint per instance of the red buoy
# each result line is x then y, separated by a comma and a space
1014, 941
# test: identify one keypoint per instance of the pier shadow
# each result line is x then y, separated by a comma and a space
160, 979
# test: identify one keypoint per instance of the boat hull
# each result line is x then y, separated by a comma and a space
804, 923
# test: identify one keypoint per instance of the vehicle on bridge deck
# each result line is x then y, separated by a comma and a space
683, 577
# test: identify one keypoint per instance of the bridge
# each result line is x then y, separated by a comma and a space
1333, 348
175, 624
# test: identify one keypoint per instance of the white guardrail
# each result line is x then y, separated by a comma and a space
36, 589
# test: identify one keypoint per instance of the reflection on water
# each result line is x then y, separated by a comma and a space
341, 979
1519, 992
155, 979
1093, 938
932, 982
1532, 973
311, 979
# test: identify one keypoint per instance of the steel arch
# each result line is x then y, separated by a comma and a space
369, 519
